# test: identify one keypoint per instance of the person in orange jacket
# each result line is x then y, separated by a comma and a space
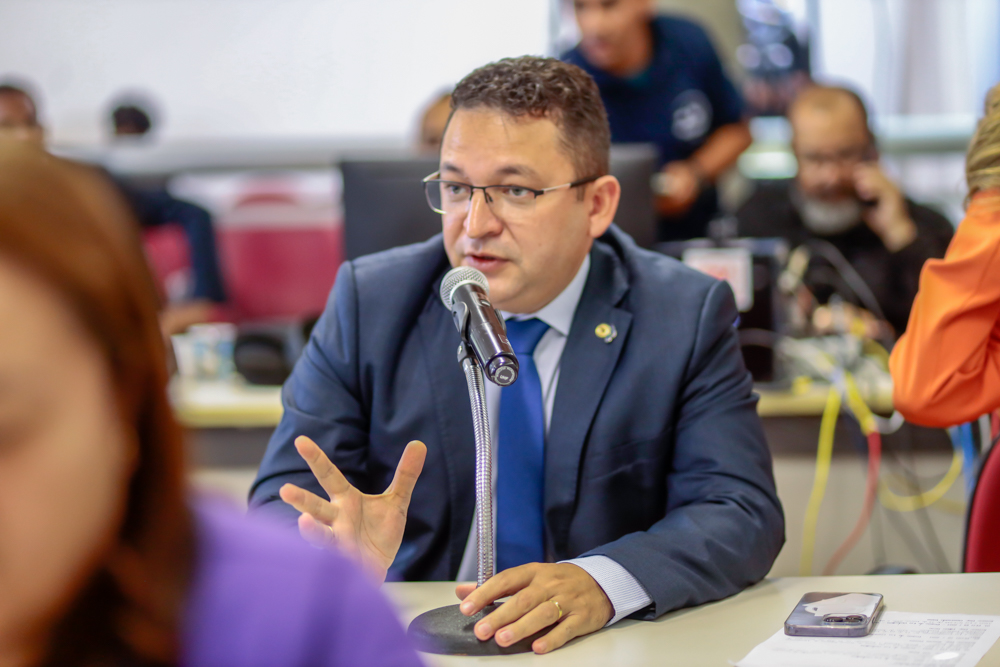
946, 367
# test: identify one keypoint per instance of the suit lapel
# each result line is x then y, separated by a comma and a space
584, 372
450, 397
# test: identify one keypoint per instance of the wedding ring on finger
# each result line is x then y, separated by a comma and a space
558, 607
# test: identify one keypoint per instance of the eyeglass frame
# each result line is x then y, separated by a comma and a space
843, 158
429, 179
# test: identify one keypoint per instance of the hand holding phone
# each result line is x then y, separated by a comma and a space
885, 210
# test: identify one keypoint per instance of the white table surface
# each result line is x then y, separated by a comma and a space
721, 633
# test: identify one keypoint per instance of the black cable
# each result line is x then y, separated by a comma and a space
830, 253
912, 542
913, 486
922, 515
934, 553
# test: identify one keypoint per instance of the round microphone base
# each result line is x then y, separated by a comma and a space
447, 631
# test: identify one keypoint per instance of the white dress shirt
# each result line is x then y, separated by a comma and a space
626, 594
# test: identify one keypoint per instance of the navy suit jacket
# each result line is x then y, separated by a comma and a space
655, 455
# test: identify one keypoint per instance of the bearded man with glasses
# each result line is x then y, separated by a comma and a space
632, 474
842, 196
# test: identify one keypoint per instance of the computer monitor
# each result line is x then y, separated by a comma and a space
764, 320
634, 165
384, 203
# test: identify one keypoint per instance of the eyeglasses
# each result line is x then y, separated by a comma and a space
843, 158
508, 202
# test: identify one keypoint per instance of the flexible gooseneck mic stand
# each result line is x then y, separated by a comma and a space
484, 461
447, 630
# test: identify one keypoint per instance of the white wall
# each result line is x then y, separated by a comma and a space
910, 56
257, 68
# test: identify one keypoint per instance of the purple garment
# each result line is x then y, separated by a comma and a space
261, 597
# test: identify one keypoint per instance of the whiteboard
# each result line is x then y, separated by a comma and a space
282, 69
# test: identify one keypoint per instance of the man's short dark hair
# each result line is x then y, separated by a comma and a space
19, 90
131, 119
545, 88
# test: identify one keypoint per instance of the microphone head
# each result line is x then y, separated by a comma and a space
458, 276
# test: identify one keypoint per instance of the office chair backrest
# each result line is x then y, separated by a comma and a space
982, 535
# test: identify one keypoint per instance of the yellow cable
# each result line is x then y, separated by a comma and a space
891, 500
876, 350
887, 496
944, 504
824, 453
859, 407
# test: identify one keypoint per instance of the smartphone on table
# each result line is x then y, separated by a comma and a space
834, 615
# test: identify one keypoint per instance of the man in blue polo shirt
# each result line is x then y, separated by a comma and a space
661, 82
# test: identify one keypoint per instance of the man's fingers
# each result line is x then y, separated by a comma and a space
571, 627
308, 503
542, 616
463, 590
408, 470
505, 583
315, 533
327, 474
510, 611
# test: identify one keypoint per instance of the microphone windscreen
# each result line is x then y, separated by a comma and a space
461, 275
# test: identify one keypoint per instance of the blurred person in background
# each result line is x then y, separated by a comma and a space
842, 196
946, 367
19, 116
152, 206
775, 57
104, 559
433, 122
130, 120
662, 82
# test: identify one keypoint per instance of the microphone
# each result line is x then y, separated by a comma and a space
465, 292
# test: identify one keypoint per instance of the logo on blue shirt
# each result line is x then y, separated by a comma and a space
692, 115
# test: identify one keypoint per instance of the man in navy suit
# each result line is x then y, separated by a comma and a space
633, 476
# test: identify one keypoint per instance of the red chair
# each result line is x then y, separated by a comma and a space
169, 260
278, 256
279, 259
982, 535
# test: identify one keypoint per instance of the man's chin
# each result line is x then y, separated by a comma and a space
599, 55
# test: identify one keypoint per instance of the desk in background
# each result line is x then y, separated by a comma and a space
231, 422
229, 425
239, 405
721, 633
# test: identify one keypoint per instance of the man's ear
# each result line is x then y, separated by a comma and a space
602, 201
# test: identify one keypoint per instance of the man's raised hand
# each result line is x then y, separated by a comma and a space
369, 528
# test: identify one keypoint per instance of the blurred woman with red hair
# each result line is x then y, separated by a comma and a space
104, 559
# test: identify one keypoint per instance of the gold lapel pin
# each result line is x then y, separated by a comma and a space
606, 332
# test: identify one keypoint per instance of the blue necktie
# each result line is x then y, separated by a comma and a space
521, 455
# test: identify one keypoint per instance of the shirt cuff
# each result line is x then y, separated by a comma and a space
625, 592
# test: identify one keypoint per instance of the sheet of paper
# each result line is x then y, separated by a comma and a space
899, 639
